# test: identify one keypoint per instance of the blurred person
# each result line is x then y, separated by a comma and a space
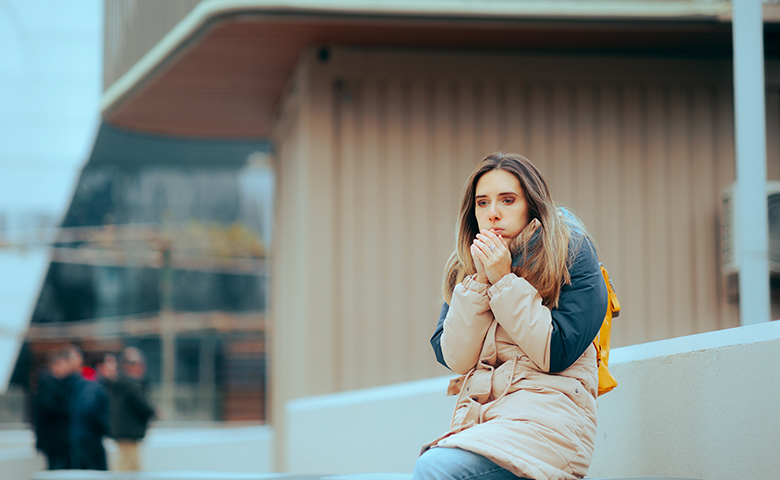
89, 416
130, 411
51, 410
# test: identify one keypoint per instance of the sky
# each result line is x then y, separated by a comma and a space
50, 87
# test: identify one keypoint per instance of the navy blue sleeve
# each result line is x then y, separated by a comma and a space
581, 309
436, 338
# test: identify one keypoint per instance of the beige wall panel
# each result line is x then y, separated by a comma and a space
374, 352
397, 273
585, 129
133, 27
419, 218
305, 341
724, 175
704, 224
640, 149
516, 118
656, 209
610, 196
462, 121
679, 215
565, 157
632, 282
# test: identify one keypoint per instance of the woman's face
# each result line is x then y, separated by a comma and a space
500, 204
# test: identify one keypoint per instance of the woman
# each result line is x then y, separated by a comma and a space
524, 300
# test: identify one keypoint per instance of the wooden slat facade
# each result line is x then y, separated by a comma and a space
133, 27
374, 147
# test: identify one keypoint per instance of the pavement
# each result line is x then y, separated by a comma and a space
200, 475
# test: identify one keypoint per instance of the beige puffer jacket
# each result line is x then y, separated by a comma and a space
536, 425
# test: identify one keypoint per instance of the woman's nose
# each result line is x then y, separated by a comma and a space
493, 213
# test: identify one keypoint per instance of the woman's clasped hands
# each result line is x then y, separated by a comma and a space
491, 256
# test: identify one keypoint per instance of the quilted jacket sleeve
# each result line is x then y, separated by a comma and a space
555, 339
464, 326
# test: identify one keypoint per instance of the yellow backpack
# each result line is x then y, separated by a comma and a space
606, 381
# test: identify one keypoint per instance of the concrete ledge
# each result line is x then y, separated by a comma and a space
371, 430
703, 406
196, 475
187, 475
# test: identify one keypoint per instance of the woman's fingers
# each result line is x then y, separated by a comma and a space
498, 259
479, 264
483, 246
492, 242
503, 241
491, 238
478, 252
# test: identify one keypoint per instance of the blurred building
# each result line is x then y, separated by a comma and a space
377, 112
162, 248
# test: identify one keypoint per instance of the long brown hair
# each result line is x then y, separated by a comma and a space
542, 261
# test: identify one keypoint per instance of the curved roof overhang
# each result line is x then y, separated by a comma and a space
221, 71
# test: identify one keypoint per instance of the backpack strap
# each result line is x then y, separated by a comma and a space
602, 341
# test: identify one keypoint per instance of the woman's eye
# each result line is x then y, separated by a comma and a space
509, 201
482, 203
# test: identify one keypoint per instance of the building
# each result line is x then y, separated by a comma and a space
379, 110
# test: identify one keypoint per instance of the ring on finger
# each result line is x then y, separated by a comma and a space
492, 247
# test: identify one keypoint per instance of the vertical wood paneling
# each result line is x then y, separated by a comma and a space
539, 136
656, 211
705, 221
417, 235
609, 192
489, 113
680, 214
643, 163
397, 275
634, 286
585, 130
373, 351
389, 359
517, 118
561, 180
467, 126
445, 175
502, 115
317, 216
724, 175
347, 217
133, 27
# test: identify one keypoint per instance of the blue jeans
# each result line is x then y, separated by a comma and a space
442, 463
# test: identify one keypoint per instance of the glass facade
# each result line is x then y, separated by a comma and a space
163, 248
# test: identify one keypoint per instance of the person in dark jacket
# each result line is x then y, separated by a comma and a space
130, 411
89, 417
51, 417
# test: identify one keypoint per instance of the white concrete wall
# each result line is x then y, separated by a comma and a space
705, 406
371, 430
237, 449
215, 449
18, 458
